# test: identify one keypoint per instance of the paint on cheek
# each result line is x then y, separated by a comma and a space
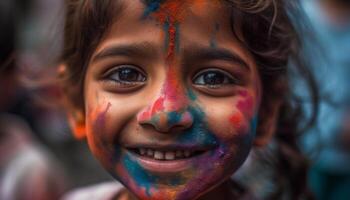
101, 119
246, 105
246, 110
236, 120
98, 139
199, 132
98, 118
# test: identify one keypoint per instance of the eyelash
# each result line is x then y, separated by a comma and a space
221, 80
116, 71
228, 79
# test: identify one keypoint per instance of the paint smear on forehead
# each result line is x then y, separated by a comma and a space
170, 14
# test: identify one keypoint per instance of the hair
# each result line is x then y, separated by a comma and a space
264, 27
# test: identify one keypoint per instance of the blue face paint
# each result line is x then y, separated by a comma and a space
145, 179
174, 118
254, 125
198, 133
191, 95
138, 174
166, 27
151, 6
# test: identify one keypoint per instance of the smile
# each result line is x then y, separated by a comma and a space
166, 155
168, 160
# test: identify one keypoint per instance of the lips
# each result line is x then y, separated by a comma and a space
166, 154
167, 160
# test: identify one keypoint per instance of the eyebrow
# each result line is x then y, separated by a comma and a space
141, 50
207, 54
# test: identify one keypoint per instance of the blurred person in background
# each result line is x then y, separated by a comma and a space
328, 53
28, 47
27, 170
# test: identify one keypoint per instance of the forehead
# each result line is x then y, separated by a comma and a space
142, 18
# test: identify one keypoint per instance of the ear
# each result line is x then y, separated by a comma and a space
77, 124
268, 117
75, 114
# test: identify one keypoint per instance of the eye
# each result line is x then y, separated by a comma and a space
124, 78
126, 75
214, 78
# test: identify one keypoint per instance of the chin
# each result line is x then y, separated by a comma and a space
190, 182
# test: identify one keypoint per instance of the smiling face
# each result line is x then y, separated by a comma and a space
171, 98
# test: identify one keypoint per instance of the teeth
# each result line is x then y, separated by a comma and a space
158, 155
150, 152
165, 155
169, 155
143, 151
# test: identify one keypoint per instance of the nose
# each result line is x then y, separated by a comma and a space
166, 117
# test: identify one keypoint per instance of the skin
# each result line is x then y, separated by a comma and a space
189, 84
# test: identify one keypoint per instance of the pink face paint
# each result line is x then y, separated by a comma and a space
246, 105
245, 108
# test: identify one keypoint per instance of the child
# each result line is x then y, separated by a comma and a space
172, 95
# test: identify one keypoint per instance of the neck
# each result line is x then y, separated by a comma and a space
226, 190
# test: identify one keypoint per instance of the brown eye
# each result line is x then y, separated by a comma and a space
213, 78
126, 75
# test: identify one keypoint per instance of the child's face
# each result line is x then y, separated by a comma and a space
171, 98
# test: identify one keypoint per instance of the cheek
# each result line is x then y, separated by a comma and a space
96, 129
234, 120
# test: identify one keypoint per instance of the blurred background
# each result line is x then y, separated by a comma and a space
37, 148
39, 158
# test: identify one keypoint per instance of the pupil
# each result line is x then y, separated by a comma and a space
128, 75
213, 78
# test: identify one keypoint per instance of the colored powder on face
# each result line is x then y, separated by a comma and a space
170, 14
99, 123
177, 37
117, 154
205, 166
139, 175
146, 180
246, 105
158, 106
198, 133
192, 96
166, 27
213, 42
236, 120
101, 119
152, 6
254, 124
150, 113
174, 117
